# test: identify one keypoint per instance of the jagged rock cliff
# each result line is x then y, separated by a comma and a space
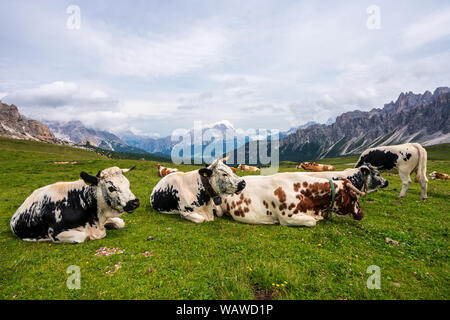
422, 118
14, 125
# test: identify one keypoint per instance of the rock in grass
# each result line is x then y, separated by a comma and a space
390, 241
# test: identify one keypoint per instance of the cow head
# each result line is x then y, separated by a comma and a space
372, 178
346, 201
222, 179
113, 188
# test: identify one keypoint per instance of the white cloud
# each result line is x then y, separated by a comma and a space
152, 54
430, 28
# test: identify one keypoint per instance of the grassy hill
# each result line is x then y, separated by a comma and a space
224, 259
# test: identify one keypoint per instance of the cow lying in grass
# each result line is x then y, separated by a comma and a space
291, 199
245, 167
365, 178
439, 176
194, 194
406, 158
164, 171
76, 211
317, 167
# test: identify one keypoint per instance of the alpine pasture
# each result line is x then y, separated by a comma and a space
224, 259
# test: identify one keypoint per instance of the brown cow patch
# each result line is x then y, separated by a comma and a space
297, 187
265, 204
282, 206
279, 192
273, 204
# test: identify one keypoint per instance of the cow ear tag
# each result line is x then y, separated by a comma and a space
205, 174
217, 200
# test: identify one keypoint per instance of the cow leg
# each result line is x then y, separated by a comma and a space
193, 216
423, 193
406, 181
72, 236
298, 220
114, 223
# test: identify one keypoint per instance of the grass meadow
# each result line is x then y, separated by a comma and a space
224, 259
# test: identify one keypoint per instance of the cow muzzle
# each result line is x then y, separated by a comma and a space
131, 205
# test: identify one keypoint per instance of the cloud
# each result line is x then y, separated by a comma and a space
432, 27
152, 54
61, 94
255, 64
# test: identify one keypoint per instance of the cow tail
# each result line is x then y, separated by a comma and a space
421, 175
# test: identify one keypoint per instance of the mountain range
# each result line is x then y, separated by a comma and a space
75, 132
422, 118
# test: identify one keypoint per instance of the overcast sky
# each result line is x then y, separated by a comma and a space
154, 66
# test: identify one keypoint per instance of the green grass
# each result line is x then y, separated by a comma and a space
225, 259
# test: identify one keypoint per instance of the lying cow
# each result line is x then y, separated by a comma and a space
163, 171
365, 178
194, 194
407, 158
317, 167
244, 167
78, 211
291, 199
439, 176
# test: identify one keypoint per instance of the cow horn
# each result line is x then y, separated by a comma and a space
351, 186
129, 169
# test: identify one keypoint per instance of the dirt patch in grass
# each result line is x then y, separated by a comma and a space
262, 294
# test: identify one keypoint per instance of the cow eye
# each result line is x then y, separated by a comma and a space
112, 189
224, 174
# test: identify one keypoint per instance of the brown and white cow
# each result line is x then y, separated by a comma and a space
439, 176
244, 167
317, 167
164, 171
291, 199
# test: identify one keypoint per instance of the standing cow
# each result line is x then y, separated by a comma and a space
407, 158
194, 194
78, 211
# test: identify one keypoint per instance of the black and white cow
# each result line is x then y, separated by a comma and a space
195, 194
406, 158
365, 178
74, 212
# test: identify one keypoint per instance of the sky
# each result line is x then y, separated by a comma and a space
155, 66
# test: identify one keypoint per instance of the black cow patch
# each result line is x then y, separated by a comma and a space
357, 180
166, 200
30, 225
380, 159
202, 198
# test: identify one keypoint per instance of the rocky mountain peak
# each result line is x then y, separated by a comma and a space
14, 125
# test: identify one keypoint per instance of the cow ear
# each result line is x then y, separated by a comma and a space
365, 170
88, 179
205, 172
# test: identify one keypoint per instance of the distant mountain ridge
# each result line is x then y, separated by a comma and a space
76, 132
422, 118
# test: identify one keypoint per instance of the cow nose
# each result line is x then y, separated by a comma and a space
386, 184
132, 205
241, 186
